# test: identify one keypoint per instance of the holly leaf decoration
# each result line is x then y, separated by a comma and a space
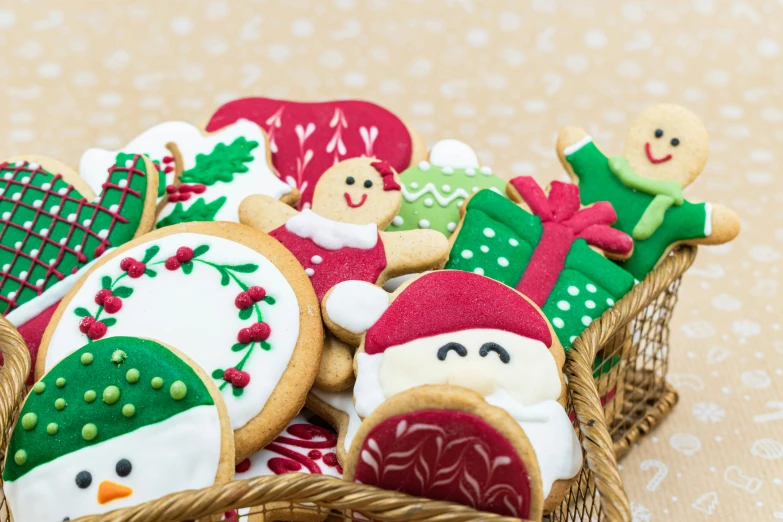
225, 279
187, 267
247, 268
238, 347
106, 282
82, 312
269, 300
245, 313
222, 163
265, 345
238, 392
150, 253
199, 250
217, 374
111, 321
200, 210
123, 291
150, 273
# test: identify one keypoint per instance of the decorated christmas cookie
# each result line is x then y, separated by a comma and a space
232, 299
306, 139
665, 150
338, 410
546, 253
340, 238
204, 177
434, 190
54, 226
116, 423
446, 443
463, 329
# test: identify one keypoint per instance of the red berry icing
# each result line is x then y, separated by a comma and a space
172, 264
184, 254
228, 375
256, 293
112, 304
102, 295
85, 323
243, 300
97, 330
330, 459
240, 379
242, 466
244, 336
260, 331
136, 270
314, 454
126, 263
171, 189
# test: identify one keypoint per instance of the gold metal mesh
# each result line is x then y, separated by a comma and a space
614, 403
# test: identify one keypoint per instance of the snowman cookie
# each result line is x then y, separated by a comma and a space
116, 423
54, 226
341, 238
234, 300
446, 443
202, 177
308, 138
666, 149
468, 330
433, 191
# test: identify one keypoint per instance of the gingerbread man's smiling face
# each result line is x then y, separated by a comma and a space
359, 190
667, 142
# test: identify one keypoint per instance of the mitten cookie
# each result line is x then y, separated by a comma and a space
547, 253
337, 409
116, 423
665, 150
232, 299
446, 443
306, 139
204, 177
54, 226
468, 330
433, 191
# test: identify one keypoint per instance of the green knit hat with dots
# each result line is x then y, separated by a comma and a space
104, 390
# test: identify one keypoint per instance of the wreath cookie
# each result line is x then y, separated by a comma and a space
232, 299
97, 430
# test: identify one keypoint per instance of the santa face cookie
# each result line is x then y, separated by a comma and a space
547, 254
307, 139
116, 423
204, 177
446, 443
433, 191
54, 226
666, 149
466, 330
234, 300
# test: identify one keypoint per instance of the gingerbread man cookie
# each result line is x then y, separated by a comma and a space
306, 139
54, 225
665, 150
463, 329
116, 423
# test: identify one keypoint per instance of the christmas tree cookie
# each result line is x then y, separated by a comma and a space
546, 253
434, 190
54, 225
307, 139
234, 300
665, 150
203, 177
116, 423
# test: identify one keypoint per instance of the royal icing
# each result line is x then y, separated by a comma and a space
308, 138
356, 305
162, 288
453, 153
97, 430
331, 234
342, 402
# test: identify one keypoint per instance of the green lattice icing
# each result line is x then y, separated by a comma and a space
200, 210
498, 239
432, 195
107, 390
53, 230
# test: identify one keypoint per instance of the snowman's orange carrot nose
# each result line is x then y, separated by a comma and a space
108, 491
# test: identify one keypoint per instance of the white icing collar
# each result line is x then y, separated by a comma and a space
330, 234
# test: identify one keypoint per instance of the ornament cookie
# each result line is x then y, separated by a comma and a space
204, 177
546, 253
116, 423
446, 443
306, 139
467, 330
433, 191
54, 226
341, 237
665, 150
232, 299
338, 410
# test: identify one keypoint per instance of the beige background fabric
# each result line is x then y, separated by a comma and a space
503, 77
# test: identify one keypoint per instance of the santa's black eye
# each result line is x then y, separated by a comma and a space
658, 133
368, 184
675, 142
495, 347
349, 180
444, 350
123, 467
83, 479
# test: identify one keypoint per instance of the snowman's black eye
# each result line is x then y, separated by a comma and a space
658, 133
368, 184
83, 479
123, 467
675, 142
349, 180
495, 347
444, 350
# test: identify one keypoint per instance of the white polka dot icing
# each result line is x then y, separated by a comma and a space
398, 221
610, 301
451, 226
309, 271
502, 261
586, 320
564, 305
484, 248
572, 290
467, 254
513, 242
316, 260
423, 165
591, 288
489, 232
424, 223
559, 323
478, 270
590, 304
428, 202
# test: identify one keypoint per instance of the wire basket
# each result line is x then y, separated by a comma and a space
617, 393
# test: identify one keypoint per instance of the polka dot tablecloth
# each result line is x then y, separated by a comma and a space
503, 78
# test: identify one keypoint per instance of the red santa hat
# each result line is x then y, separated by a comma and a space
450, 301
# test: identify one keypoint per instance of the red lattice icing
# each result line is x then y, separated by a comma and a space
308, 138
446, 455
